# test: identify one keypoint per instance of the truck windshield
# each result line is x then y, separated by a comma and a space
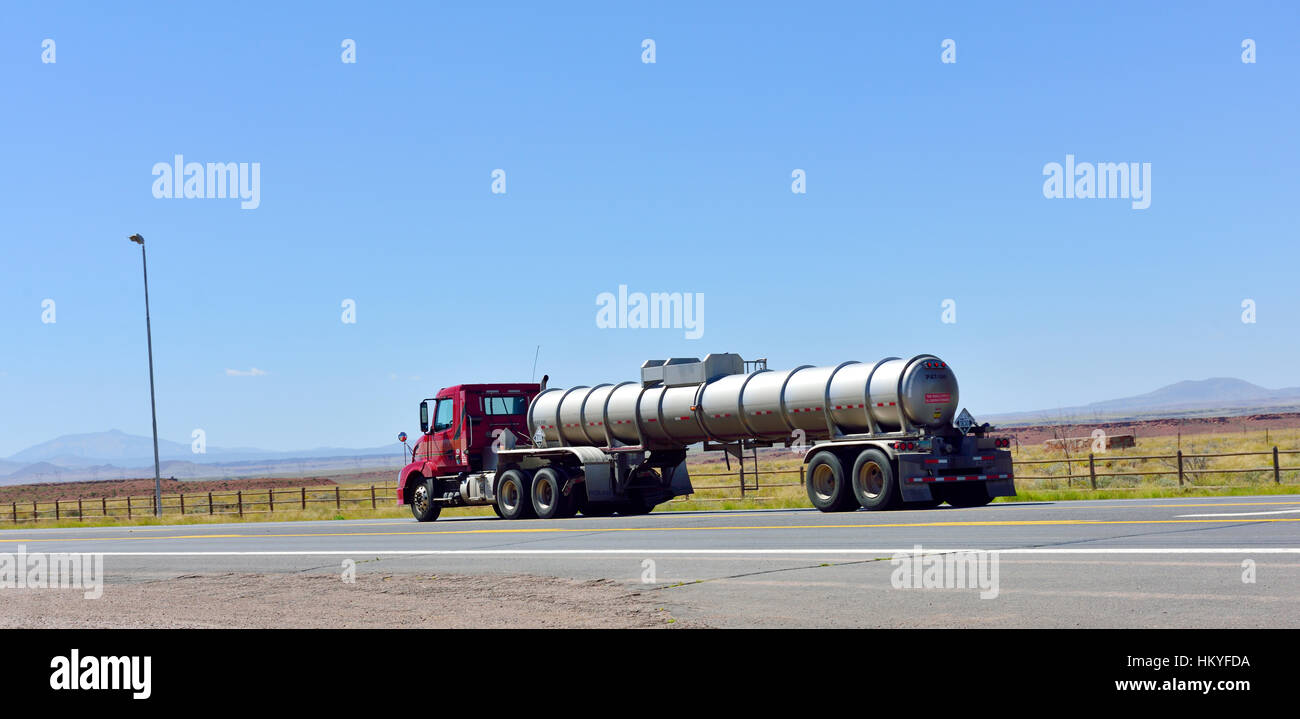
503, 405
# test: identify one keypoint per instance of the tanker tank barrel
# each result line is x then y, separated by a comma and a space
725, 399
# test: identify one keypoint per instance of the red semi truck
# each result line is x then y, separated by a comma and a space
878, 436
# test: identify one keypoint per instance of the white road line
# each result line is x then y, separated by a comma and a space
657, 551
1241, 514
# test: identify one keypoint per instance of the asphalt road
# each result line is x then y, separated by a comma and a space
1195, 562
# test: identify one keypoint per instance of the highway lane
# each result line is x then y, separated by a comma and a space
1222, 561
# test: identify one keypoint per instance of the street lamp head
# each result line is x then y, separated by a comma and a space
136, 238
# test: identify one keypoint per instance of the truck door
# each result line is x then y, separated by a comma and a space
443, 437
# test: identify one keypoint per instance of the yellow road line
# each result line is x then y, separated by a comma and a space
597, 530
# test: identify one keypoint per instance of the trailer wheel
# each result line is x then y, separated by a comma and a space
967, 495
513, 496
422, 504
828, 488
873, 481
548, 500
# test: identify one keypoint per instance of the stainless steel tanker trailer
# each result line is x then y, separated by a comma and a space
877, 435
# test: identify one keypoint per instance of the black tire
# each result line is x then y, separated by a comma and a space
497, 510
422, 505
636, 505
512, 496
967, 495
828, 487
873, 481
548, 499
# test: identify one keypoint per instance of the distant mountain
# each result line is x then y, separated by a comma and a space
1224, 394
110, 446
119, 449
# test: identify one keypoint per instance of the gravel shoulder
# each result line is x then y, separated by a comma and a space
310, 601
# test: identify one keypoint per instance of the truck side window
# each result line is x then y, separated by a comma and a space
503, 405
442, 418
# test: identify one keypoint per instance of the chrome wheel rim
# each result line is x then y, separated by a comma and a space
509, 496
543, 495
421, 499
823, 482
871, 480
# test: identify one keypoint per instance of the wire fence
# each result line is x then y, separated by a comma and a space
1111, 471
229, 503
1105, 471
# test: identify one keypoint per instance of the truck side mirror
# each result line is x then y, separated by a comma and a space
424, 417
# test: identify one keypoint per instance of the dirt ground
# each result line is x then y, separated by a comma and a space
1037, 434
309, 601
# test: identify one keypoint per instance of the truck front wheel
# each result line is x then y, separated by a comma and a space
828, 487
422, 504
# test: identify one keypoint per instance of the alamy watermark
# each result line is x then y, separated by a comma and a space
21, 570
1104, 180
214, 180
656, 310
963, 569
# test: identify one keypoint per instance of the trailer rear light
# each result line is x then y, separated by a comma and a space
1001, 442
904, 445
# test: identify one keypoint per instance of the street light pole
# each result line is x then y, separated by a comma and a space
153, 408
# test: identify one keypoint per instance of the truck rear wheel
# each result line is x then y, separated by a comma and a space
513, 497
873, 481
828, 488
422, 505
547, 496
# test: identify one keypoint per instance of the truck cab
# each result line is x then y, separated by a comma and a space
462, 427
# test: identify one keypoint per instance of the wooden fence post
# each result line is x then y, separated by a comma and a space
239, 497
1180, 468
1277, 473
36, 513
103, 506
210, 503
128, 506
373, 504
1092, 470
182, 504
337, 501
304, 499
80, 516
15, 510
270, 499
56, 510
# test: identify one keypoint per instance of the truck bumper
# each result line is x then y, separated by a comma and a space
917, 476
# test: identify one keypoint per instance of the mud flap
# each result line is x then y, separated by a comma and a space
916, 491
598, 481
680, 481
1001, 488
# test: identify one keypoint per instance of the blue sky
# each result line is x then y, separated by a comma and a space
924, 182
